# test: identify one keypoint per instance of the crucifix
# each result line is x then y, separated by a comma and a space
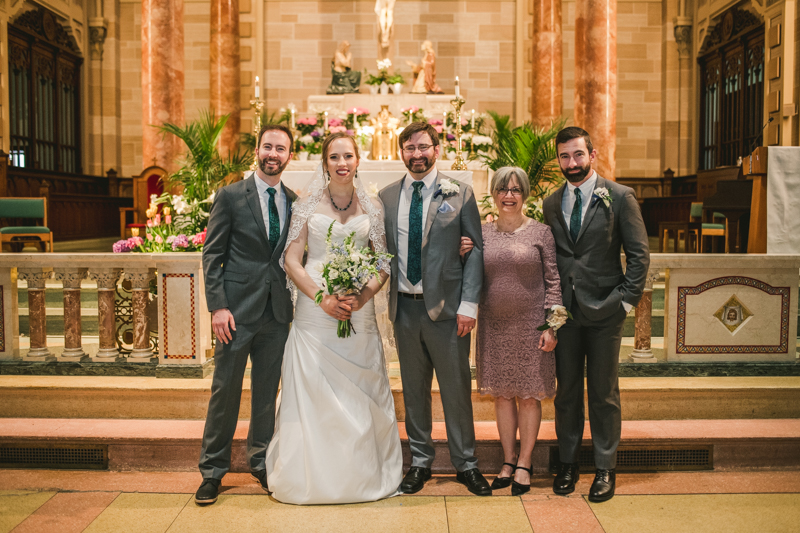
384, 9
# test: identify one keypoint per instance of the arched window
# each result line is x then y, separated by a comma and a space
44, 93
731, 89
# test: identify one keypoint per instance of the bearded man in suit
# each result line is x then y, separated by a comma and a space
593, 220
251, 307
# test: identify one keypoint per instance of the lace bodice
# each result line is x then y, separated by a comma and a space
318, 225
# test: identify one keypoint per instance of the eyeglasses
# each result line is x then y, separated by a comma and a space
515, 191
411, 150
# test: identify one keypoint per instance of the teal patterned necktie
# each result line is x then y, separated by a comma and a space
575, 218
414, 268
274, 220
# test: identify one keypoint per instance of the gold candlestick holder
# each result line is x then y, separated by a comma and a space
258, 107
458, 163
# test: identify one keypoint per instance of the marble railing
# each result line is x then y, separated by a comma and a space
725, 307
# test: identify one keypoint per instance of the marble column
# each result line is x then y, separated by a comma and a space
71, 280
225, 76
596, 78
162, 80
546, 62
140, 296
9, 314
37, 317
642, 349
106, 301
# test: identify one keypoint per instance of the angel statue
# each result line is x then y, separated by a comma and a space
384, 9
344, 78
425, 72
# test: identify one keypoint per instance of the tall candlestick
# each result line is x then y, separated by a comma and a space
258, 88
293, 122
326, 122
472, 122
458, 91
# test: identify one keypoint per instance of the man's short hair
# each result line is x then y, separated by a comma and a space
574, 132
417, 127
275, 127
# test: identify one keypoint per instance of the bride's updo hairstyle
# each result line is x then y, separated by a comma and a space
326, 146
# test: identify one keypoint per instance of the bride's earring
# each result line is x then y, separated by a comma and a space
327, 175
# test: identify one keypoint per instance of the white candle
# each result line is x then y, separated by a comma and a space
473, 121
326, 122
258, 88
444, 121
293, 122
458, 91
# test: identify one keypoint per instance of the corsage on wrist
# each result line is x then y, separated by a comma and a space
556, 317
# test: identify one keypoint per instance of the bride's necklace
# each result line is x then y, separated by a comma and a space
352, 194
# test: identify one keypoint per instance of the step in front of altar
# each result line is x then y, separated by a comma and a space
647, 398
174, 445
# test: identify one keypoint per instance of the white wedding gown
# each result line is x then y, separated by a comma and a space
336, 438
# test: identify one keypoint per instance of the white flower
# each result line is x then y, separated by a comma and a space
558, 316
482, 140
372, 190
384, 64
306, 139
448, 188
333, 273
181, 206
603, 194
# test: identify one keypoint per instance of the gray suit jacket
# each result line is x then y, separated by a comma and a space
241, 269
446, 280
593, 265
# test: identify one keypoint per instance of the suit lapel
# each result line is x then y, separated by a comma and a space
392, 205
433, 210
255, 208
290, 198
593, 207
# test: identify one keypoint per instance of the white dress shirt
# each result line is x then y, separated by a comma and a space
568, 201
467, 309
280, 202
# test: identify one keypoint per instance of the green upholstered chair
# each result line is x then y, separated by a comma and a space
28, 209
716, 228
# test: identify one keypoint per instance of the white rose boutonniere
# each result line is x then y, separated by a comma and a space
556, 317
447, 188
601, 193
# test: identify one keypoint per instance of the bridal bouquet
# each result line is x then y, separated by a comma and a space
346, 270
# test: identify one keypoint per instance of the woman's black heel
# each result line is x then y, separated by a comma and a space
503, 482
518, 488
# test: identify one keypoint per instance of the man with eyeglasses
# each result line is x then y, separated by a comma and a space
593, 219
433, 303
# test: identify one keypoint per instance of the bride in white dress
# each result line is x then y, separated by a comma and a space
336, 438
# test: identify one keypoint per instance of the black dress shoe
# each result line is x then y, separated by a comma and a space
415, 479
208, 491
503, 482
518, 489
261, 477
603, 487
475, 482
565, 480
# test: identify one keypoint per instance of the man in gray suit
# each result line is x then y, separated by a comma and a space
592, 219
433, 303
251, 307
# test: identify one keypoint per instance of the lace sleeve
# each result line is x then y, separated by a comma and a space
377, 230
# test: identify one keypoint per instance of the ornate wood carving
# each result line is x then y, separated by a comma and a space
734, 22
42, 24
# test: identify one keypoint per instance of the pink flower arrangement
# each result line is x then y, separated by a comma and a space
337, 129
438, 128
149, 223
200, 238
335, 123
412, 109
308, 121
358, 111
436, 122
180, 241
149, 236
135, 241
159, 239
120, 247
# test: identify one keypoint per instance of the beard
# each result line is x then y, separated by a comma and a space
262, 164
420, 165
577, 176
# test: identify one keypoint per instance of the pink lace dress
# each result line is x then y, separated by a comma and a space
520, 282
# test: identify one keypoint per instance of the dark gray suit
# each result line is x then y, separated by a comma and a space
594, 286
242, 273
426, 330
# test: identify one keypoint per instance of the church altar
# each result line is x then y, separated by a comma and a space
298, 174
435, 104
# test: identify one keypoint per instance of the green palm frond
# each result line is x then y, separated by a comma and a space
283, 116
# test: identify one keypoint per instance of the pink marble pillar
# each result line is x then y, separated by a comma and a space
596, 78
162, 79
37, 317
547, 62
71, 280
140, 297
642, 348
106, 300
225, 77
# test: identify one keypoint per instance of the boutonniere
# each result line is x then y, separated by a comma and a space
601, 193
447, 188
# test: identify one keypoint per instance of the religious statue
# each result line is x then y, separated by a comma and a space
384, 9
425, 72
344, 78
384, 140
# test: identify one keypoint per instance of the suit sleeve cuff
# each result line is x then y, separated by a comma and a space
627, 306
468, 309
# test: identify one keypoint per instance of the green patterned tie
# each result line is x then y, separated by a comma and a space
274, 220
414, 268
575, 218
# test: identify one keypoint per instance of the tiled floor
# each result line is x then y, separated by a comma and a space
143, 502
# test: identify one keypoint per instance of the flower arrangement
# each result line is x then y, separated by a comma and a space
556, 317
346, 270
306, 125
168, 233
383, 74
413, 114
355, 117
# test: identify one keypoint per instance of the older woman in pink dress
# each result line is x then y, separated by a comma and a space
515, 360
